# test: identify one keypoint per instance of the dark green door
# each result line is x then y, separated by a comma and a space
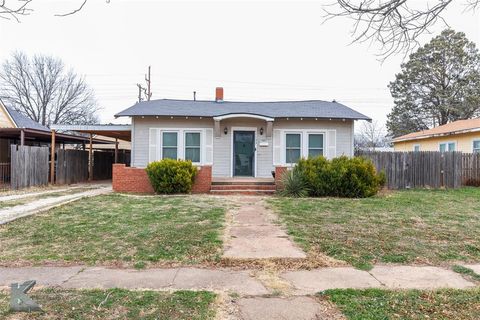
243, 153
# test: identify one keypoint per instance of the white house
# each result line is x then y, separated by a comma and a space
240, 139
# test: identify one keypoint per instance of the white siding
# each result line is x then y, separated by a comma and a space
141, 137
222, 146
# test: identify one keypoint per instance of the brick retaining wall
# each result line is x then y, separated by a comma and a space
135, 180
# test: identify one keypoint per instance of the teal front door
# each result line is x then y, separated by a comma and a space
243, 153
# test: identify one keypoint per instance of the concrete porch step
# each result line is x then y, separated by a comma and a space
241, 182
247, 192
243, 187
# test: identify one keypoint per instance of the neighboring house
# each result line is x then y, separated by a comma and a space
461, 135
240, 139
17, 129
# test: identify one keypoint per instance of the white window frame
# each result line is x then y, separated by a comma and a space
304, 143
324, 140
418, 145
447, 148
473, 146
201, 146
180, 142
161, 142
284, 146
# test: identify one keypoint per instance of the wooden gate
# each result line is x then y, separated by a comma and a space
471, 169
72, 166
102, 165
29, 166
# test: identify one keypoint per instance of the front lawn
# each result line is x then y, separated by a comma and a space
118, 230
115, 304
415, 226
378, 304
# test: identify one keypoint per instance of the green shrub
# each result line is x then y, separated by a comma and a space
340, 177
169, 176
294, 184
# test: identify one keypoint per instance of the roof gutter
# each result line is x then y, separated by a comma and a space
434, 135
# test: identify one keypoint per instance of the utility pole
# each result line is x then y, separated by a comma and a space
140, 89
148, 80
147, 93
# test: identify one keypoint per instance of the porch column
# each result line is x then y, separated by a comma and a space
52, 158
269, 129
116, 150
216, 129
90, 160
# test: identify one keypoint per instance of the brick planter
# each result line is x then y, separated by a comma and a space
135, 180
279, 171
203, 180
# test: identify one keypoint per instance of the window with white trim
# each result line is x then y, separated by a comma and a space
192, 146
447, 146
416, 148
293, 147
315, 145
169, 145
476, 146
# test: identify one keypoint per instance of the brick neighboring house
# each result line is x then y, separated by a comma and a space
236, 145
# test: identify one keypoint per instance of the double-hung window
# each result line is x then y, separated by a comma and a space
476, 146
293, 147
169, 145
192, 146
447, 146
315, 145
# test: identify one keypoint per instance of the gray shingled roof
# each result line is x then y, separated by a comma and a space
278, 109
25, 122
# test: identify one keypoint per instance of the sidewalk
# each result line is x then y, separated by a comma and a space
245, 282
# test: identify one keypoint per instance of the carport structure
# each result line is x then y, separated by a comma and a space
116, 131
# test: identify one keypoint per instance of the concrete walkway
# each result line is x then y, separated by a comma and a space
255, 299
244, 282
27, 193
253, 233
40, 205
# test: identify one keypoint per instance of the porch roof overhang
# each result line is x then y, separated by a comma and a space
243, 115
45, 136
118, 131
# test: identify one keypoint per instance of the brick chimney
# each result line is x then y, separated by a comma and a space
219, 94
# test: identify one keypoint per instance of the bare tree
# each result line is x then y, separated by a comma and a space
371, 136
395, 24
14, 9
43, 90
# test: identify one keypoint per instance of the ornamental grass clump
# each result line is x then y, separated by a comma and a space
170, 176
294, 184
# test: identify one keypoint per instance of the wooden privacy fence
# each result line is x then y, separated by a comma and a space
419, 169
471, 169
29, 166
72, 166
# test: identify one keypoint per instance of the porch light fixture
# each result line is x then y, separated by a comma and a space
261, 131
225, 130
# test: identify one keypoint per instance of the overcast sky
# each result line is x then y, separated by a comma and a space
258, 51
